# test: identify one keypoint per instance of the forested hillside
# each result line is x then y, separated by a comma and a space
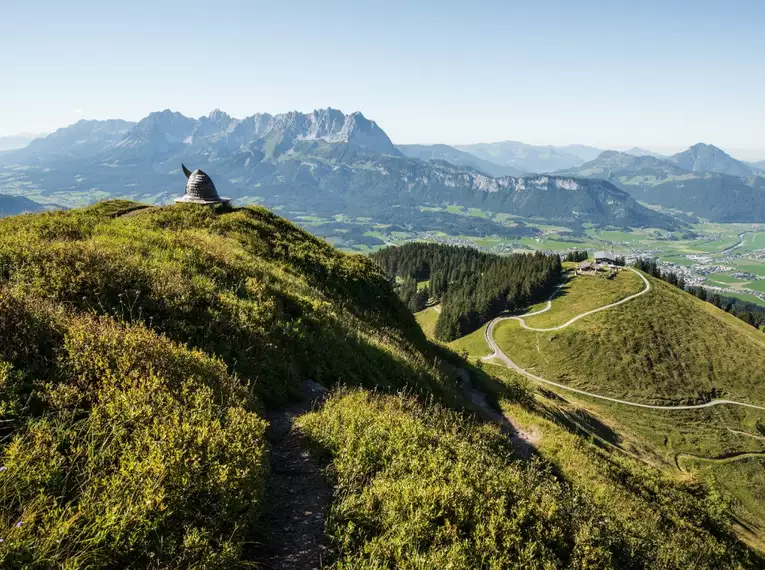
148, 354
472, 286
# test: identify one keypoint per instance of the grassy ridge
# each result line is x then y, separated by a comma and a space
271, 300
662, 347
137, 354
583, 293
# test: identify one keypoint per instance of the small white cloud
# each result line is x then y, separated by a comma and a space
78, 111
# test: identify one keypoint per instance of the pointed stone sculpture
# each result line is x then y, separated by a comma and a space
200, 189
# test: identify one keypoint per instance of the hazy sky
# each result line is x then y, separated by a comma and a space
608, 73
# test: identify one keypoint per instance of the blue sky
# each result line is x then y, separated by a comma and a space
607, 73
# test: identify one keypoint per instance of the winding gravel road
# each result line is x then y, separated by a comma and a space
576, 318
498, 354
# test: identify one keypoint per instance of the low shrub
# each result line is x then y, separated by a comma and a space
143, 453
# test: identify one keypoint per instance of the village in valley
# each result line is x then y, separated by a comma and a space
726, 258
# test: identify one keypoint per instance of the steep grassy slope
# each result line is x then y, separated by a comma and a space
137, 349
422, 487
142, 348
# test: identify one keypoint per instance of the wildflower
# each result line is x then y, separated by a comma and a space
3, 468
2, 540
18, 524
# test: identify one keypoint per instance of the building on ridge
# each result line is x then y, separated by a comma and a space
605, 257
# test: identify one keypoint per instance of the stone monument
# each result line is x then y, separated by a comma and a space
200, 189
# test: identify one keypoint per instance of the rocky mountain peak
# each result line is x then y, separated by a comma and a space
218, 116
708, 158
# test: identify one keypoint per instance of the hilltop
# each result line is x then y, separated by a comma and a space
708, 158
176, 380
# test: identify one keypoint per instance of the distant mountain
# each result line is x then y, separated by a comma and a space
457, 158
664, 182
637, 151
82, 139
584, 152
13, 142
707, 158
526, 157
322, 162
610, 164
12, 205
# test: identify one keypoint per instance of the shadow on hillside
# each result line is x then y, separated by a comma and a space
550, 395
582, 422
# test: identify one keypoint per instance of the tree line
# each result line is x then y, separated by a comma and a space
471, 286
577, 255
750, 313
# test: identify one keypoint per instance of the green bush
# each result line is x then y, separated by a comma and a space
142, 453
418, 486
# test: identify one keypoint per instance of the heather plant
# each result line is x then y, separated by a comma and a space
275, 303
421, 486
136, 355
140, 452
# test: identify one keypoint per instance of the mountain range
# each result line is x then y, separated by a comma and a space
20, 140
531, 158
442, 152
702, 180
320, 163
